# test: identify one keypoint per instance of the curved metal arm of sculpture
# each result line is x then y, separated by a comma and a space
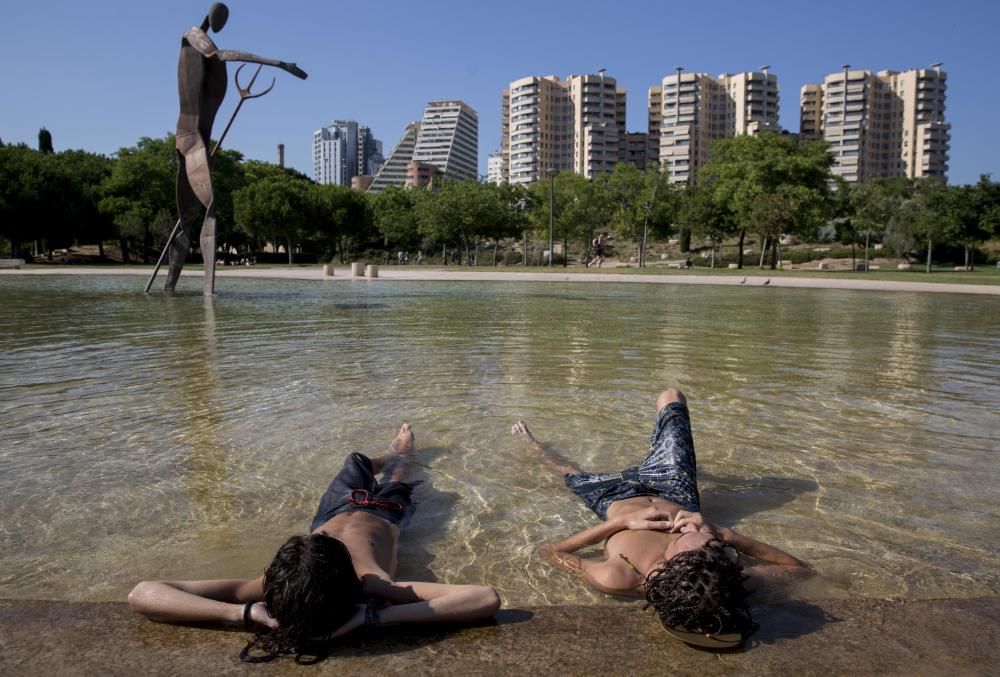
244, 95
231, 55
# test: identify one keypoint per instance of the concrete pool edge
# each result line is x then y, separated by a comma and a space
928, 637
458, 275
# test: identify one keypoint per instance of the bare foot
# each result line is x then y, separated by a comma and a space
403, 444
551, 459
520, 429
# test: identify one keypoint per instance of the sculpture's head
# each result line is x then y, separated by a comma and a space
218, 13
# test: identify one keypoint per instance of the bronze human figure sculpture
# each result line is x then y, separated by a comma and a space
202, 80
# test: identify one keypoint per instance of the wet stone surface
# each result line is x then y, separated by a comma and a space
894, 637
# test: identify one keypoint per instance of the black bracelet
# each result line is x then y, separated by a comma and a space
247, 621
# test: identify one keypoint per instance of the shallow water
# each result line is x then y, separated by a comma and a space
173, 437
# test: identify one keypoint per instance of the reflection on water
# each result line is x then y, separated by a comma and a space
167, 437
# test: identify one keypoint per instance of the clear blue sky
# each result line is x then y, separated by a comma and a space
100, 75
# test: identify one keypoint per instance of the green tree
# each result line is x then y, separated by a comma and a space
937, 218
701, 213
339, 218
395, 216
644, 202
771, 183
455, 212
25, 195
874, 203
275, 209
139, 189
83, 174
509, 205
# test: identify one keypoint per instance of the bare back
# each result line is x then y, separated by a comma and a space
370, 539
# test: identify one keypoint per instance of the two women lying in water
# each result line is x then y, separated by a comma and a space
341, 576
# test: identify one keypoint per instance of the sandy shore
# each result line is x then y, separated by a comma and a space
833, 637
343, 274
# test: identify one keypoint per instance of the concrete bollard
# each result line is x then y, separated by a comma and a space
358, 269
371, 270
327, 270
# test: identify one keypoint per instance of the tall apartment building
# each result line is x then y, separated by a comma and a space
335, 153
576, 124
691, 110
393, 170
494, 168
369, 152
449, 139
887, 123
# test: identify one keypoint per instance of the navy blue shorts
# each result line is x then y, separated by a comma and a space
668, 471
355, 488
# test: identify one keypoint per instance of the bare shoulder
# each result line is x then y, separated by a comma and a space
612, 577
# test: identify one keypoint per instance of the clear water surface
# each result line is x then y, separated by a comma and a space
146, 437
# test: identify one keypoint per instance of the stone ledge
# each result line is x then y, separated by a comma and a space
886, 637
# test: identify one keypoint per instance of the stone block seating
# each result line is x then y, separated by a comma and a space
11, 263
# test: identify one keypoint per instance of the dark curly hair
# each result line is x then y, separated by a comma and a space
701, 591
311, 589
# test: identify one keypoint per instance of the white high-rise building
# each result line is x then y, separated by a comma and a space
445, 142
880, 124
494, 168
393, 170
335, 153
695, 109
576, 125
449, 139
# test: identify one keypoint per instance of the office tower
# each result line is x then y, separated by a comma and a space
393, 171
449, 140
887, 123
369, 152
697, 109
335, 153
576, 124
494, 168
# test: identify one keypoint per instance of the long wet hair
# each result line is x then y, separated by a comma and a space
311, 589
701, 591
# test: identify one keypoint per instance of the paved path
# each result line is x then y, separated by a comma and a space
342, 274
952, 638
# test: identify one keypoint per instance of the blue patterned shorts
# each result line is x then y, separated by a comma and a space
668, 471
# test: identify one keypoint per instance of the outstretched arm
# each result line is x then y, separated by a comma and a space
230, 55
758, 549
417, 602
695, 521
199, 39
562, 554
219, 601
